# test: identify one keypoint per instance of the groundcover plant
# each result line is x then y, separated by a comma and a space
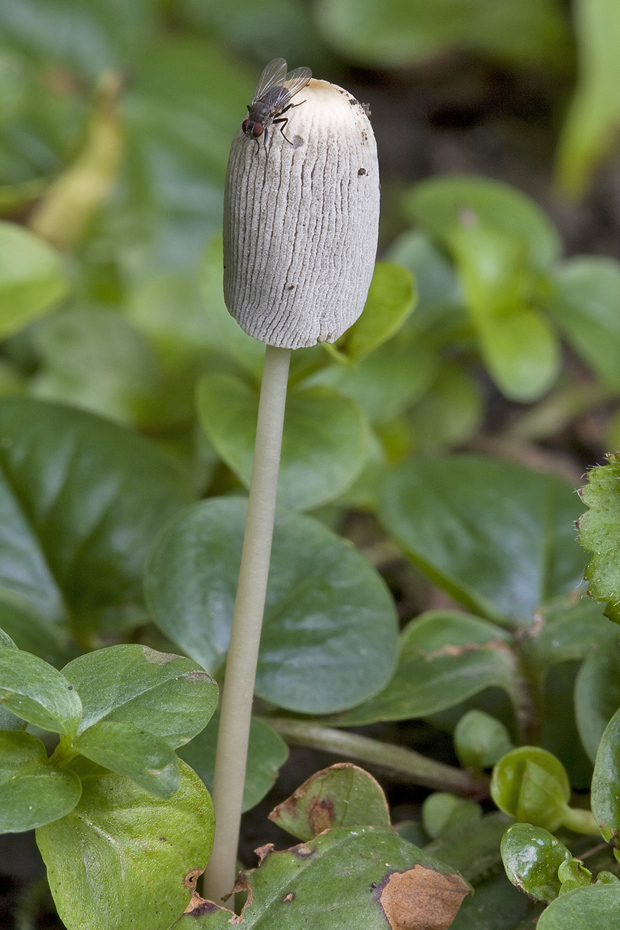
426, 623
90, 732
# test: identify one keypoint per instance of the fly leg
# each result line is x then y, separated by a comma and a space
285, 120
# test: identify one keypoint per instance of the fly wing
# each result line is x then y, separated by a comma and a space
279, 97
274, 75
296, 80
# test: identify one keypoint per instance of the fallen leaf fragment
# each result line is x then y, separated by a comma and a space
422, 899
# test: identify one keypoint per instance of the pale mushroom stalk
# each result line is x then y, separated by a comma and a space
236, 710
301, 218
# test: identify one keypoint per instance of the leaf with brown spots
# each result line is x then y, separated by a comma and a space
200, 910
191, 879
343, 795
149, 850
364, 877
168, 696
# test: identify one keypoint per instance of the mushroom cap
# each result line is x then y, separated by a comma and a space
301, 218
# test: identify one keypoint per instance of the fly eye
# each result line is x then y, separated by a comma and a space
244, 125
257, 130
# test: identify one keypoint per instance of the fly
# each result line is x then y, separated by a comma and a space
272, 99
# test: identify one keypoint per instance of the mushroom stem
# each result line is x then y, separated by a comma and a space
236, 711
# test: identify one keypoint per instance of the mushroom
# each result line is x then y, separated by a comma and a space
301, 215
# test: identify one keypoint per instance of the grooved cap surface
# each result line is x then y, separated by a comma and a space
301, 221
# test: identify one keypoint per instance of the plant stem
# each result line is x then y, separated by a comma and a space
529, 702
580, 820
558, 409
402, 764
236, 711
64, 752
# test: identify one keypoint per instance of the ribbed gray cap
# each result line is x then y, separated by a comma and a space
301, 221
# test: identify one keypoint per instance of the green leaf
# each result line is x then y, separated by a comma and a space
605, 798
497, 537
497, 905
9, 721
329, 634
531, 858
519, 348
150, 852
531, 785
444, 657
450, 412
586, 308
391, 298
567, 629
573, 874
521, 352
12, 379
286, 28
65, 213
343, 795
598, 533
169, 310
173, 204
33, 791
267, 753
38, 693
597, 695
87, 36
183, 82
368, 874
559, 733
385, 383
324, 446
32, 629
443, 812
6, 642
166, 695
225, 333
81, 500
139, 755
438, 286
95, 360
473, 851
612, 431
589, 907
442, 205
594, 114
32, 280
480, 740
402, 33
412, 831
362, 494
